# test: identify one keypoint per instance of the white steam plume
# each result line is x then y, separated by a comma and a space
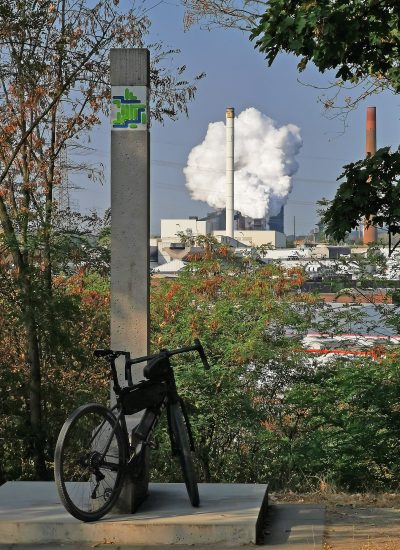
264, 164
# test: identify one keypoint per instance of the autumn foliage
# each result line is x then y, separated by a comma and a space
267, 411
54, 90
232, 304
69, 374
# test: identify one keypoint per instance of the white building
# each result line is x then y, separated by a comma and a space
257, 238
170, 228
193, 226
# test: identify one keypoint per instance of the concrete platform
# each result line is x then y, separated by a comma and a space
230, 515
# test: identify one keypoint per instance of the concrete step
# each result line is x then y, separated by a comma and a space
229, 515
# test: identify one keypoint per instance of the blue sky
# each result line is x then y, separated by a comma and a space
238, 76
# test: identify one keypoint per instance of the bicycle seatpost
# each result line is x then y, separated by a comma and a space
111, 355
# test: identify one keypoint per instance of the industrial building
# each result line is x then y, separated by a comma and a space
246, 233
217, 221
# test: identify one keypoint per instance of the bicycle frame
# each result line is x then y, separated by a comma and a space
151, 416
95, 450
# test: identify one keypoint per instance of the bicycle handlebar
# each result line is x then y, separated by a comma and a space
112, 355
168, 353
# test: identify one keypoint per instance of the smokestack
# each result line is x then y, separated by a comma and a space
230, 118
261, 187
370, 233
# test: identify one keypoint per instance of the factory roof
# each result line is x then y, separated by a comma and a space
183, 253
170, 267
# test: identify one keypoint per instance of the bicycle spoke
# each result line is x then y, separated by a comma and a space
88, 483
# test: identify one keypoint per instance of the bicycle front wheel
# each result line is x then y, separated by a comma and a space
182, 444
89, 462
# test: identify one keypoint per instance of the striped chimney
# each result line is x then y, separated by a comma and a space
230, 121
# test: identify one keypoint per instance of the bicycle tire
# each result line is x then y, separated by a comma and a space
78, 468
182, 443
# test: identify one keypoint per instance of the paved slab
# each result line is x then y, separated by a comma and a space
31, 513
295, 526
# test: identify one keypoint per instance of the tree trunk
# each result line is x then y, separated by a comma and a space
205, 462
35, 391
2, 476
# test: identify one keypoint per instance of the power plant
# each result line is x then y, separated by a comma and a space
248, 195
235, 220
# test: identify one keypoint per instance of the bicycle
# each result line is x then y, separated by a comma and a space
94, 452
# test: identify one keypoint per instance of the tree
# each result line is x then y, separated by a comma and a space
69, 377
364, 49
348, 425
266, 410
366, 46
54, 89
371, 189
224, 13
250, 319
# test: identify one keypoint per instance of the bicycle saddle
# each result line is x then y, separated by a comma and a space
157, 368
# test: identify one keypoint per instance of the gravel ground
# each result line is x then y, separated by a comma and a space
355, 521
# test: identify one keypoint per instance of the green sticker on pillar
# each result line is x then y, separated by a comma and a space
129, 108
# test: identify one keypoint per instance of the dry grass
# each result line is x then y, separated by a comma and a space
329, 497
369, 545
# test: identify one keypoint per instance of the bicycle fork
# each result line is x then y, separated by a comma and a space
188, 427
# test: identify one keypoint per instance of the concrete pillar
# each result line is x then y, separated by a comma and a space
130, 215
371, 232
230, 121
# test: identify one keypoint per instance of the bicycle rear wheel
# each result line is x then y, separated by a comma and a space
89, 462
182, 444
